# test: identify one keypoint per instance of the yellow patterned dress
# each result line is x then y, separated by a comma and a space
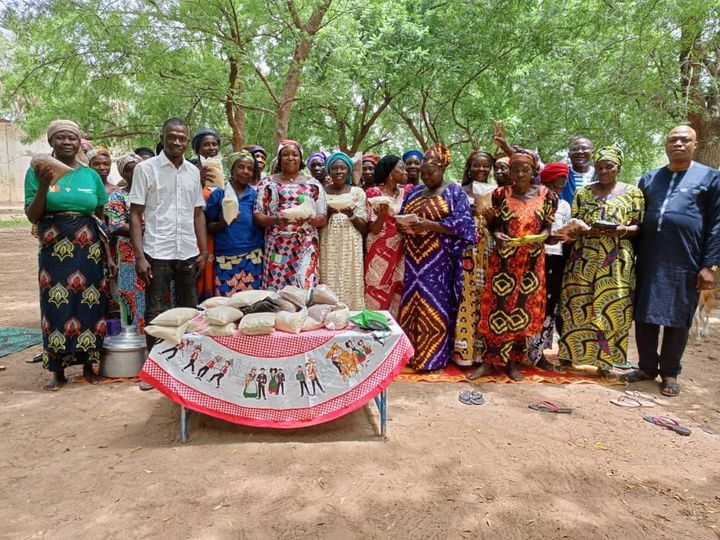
596, 303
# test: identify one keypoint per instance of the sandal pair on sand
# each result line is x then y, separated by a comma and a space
668, 423
471, 398
549, 407
634, 399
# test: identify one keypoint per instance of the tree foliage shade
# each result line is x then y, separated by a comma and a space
370, 74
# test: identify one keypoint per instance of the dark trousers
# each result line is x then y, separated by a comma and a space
667, 362
157, 293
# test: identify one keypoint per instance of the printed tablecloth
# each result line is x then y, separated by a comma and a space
279, 380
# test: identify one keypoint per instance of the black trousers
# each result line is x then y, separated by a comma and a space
157, 293
666, 363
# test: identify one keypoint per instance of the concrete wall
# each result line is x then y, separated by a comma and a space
14, 161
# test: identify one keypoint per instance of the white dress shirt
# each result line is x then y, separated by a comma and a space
170, 196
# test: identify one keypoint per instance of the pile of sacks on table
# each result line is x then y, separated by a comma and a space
255, 313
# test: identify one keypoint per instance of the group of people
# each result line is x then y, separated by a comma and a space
476, 272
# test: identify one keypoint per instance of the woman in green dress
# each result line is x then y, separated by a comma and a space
599, 282
73, 252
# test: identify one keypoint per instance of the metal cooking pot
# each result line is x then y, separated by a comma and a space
124, 354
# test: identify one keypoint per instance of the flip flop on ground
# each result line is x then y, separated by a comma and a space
632, 402
549, 407
670, 388
668, 423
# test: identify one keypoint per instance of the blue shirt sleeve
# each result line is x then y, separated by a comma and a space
213, 210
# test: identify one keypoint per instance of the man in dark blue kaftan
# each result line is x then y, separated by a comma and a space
679, 246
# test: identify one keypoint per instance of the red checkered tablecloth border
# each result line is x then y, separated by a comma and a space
353, 399
278, 344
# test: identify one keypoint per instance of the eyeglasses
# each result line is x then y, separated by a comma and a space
580, 148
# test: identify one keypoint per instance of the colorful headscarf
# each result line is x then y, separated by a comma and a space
322, 156
62, 125
98, 151
289, 142
242, 154
340, 156
414, 152
613, 154
438, 154
127, 160
200, 135
384, 167
474, 155
504, 159
371, 157
255, 148
526, 156
553, 171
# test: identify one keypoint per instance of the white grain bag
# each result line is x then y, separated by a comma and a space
311, 324
223, 315
338, 319
230, 207
219, 329
320, 311
257, 324
215, 176
322, 294
171, 334
291, 322
215, 301
244, 299
296, 295
304, 210
175, 316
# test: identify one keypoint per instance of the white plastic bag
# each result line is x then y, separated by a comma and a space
304, 210
215, 176
230, 208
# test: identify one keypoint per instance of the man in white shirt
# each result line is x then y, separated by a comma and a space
166, 198
582, 172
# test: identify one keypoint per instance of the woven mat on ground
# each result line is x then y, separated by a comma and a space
14, 340
453, 373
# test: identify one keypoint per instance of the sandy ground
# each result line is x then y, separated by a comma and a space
105, 461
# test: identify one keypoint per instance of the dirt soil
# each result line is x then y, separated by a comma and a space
106, 462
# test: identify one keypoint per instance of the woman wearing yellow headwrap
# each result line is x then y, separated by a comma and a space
443, 227
599, 282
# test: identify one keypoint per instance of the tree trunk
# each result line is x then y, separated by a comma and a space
708, 134
234, 112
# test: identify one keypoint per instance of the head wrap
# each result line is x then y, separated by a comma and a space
526, 156
384, 167
340, 156
62, 125
609, 153
474, 155
504, 159
438, 154
407, 155
144, 151
127, 160
317, 155
98, 151
243, 154
371, 157
553, 171
200, 135
289, 142
255, 148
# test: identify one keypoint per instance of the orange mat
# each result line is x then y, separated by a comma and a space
454, 373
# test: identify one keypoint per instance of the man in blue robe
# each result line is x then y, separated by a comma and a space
581, 171
678, 249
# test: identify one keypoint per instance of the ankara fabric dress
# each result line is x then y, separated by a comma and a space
675, 243
596, 303
513, 304
433, 274
291, 250
341, 253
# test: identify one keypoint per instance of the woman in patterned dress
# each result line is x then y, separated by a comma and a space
73, 250
433, 248
384, 258
291, 248
599, 283
131, 291
237, 246
341, 240
474, 260
513, 303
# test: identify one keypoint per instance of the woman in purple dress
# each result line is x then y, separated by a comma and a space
434, 243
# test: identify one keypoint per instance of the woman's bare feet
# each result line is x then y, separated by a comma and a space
89, 374
513, 371
483, 371
57, 381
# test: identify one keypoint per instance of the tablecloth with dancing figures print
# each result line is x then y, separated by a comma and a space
279, 380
